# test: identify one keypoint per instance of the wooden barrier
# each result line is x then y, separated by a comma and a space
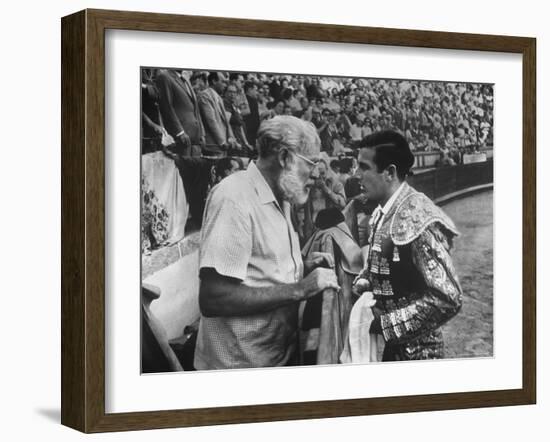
424, 160
441, 181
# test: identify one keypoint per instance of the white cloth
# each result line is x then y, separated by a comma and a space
360, 346
169, 207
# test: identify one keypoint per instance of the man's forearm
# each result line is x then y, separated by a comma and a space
219, 297
147, 121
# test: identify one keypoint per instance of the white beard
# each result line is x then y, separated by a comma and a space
292, 189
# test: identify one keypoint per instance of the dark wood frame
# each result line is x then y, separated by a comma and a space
83, 220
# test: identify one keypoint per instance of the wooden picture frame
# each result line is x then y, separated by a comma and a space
83, 220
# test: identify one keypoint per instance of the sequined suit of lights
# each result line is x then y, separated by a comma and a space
412, 276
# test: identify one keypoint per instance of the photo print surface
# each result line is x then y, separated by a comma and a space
302, 220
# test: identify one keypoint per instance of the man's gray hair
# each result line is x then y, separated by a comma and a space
286, 132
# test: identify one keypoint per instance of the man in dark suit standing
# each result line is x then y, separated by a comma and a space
219, 135
180, 112
252, 120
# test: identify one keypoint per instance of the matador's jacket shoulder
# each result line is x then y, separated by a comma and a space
415, 213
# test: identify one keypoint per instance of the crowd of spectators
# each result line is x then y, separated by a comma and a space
433, 116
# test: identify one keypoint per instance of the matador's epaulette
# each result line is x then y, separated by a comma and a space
415, 213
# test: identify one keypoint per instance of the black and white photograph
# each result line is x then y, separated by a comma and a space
300, 220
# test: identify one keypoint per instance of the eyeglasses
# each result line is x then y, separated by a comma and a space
313, 164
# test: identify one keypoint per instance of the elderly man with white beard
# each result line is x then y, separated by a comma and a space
251, 268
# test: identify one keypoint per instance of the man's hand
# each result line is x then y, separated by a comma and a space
324, 185
184, 141
159, 130
360, 285
231, 142
321, 184
317, 281
319, 259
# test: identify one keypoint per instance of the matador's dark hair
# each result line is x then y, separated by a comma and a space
390, 147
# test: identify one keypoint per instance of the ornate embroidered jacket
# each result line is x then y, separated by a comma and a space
413, 280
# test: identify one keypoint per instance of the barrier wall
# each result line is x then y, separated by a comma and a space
443, 181
424, 160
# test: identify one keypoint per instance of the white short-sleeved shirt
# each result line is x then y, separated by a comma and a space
246, 235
